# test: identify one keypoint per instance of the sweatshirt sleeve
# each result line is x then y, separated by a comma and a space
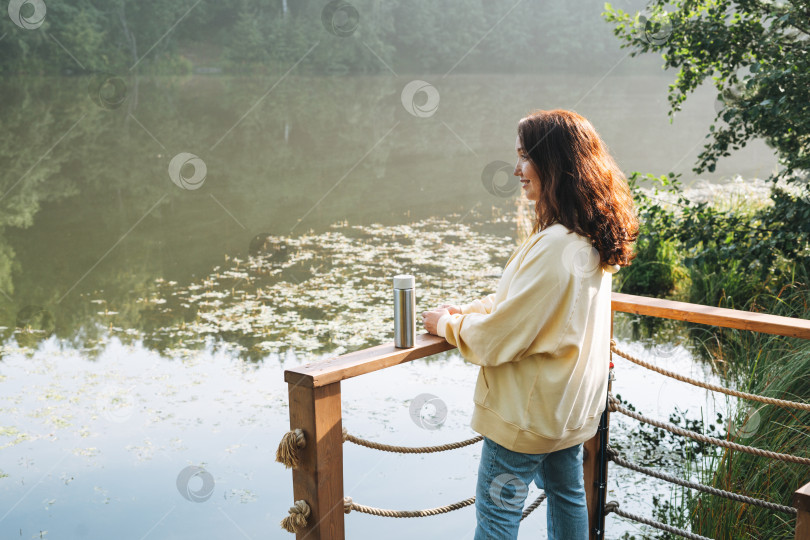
483, 305
522, 320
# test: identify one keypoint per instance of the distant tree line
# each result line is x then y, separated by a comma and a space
361, 36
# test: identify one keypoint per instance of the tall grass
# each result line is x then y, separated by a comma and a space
776, 367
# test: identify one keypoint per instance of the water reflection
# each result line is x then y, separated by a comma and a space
88, 205
314, 294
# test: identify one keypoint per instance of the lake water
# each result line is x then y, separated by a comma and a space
98, 445
145, 325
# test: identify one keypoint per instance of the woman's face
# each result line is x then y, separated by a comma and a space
528, 175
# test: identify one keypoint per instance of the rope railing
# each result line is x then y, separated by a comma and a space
294, 440
287, 452
615, 406
298, 514
409, 449
532, 507
613, 507
614, 457
709, 386
349, 505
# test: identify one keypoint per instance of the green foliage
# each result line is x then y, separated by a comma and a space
734, 256
713, 255
248, 44
656, 268
758, 57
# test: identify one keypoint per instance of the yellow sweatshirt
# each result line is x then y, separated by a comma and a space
543, 343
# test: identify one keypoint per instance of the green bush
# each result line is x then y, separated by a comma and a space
713, 254
655, 269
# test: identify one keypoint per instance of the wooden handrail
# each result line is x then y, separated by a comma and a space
386, 355
364, 361
727, 318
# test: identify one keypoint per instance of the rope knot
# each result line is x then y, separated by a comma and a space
345, 434
613, 344
347, 504
612, 506
287, 452
297, 520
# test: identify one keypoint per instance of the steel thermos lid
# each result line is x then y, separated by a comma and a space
404, 281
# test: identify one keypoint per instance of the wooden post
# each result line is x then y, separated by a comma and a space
591, 468
319, 477
592, 479
314, 393
801, 501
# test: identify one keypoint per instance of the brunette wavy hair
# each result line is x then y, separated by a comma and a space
581, 186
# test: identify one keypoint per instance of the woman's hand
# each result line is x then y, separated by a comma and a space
451, 308
431, 318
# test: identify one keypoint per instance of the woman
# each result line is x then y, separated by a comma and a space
542, 339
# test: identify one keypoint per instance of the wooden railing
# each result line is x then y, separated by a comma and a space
315, 407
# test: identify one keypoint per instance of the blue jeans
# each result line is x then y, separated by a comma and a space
503, 484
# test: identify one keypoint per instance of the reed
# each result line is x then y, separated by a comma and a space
772, 366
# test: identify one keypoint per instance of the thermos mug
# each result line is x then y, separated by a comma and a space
404, 311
